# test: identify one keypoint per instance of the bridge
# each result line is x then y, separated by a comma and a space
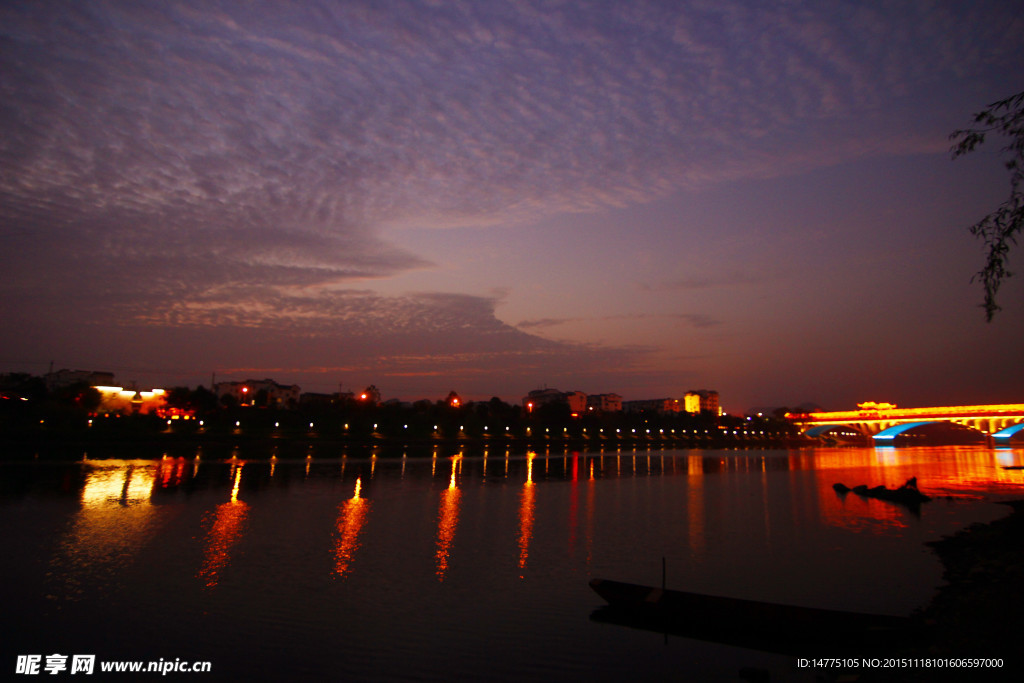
885, 423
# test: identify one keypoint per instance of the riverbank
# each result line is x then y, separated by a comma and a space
266, 442
977, 612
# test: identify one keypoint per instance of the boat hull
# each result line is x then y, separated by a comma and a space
754, 624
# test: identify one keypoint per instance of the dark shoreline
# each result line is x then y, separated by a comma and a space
976, 612
183, 445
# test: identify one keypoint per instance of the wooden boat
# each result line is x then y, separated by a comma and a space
761, 625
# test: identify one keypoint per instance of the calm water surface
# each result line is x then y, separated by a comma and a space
460, 566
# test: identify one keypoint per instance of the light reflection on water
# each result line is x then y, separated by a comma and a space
447, 520
352, 515
225, 531
526, 504
259, 546
115, 520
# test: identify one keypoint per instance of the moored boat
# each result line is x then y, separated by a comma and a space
712, 617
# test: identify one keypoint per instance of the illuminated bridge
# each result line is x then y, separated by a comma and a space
884, 423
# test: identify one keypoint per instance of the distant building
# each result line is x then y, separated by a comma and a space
542, 397
604, 403
660, 406
702, 401
65, 378
264, 392
693, 402
577, 401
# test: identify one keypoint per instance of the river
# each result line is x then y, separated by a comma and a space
461, 565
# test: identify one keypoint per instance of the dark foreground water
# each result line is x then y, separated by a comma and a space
460, 567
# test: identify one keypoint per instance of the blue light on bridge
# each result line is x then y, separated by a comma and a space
1003, 436
887, 435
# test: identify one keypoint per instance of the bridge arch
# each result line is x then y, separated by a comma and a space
928, 433
839, 433
1010, 434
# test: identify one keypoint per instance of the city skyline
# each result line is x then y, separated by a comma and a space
639, 198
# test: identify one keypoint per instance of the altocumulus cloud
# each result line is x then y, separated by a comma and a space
193, 164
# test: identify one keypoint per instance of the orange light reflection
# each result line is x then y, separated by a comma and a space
526, 505
695, 520
960, 472
447, 521
352, 516
226, 530
117, 518
574, 504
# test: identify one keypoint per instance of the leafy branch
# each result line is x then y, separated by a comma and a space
999, 229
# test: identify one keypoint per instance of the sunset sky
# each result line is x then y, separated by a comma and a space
632, 197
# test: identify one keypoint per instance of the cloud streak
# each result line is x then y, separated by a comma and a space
696, 320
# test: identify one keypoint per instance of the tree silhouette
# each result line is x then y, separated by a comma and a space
999, 229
